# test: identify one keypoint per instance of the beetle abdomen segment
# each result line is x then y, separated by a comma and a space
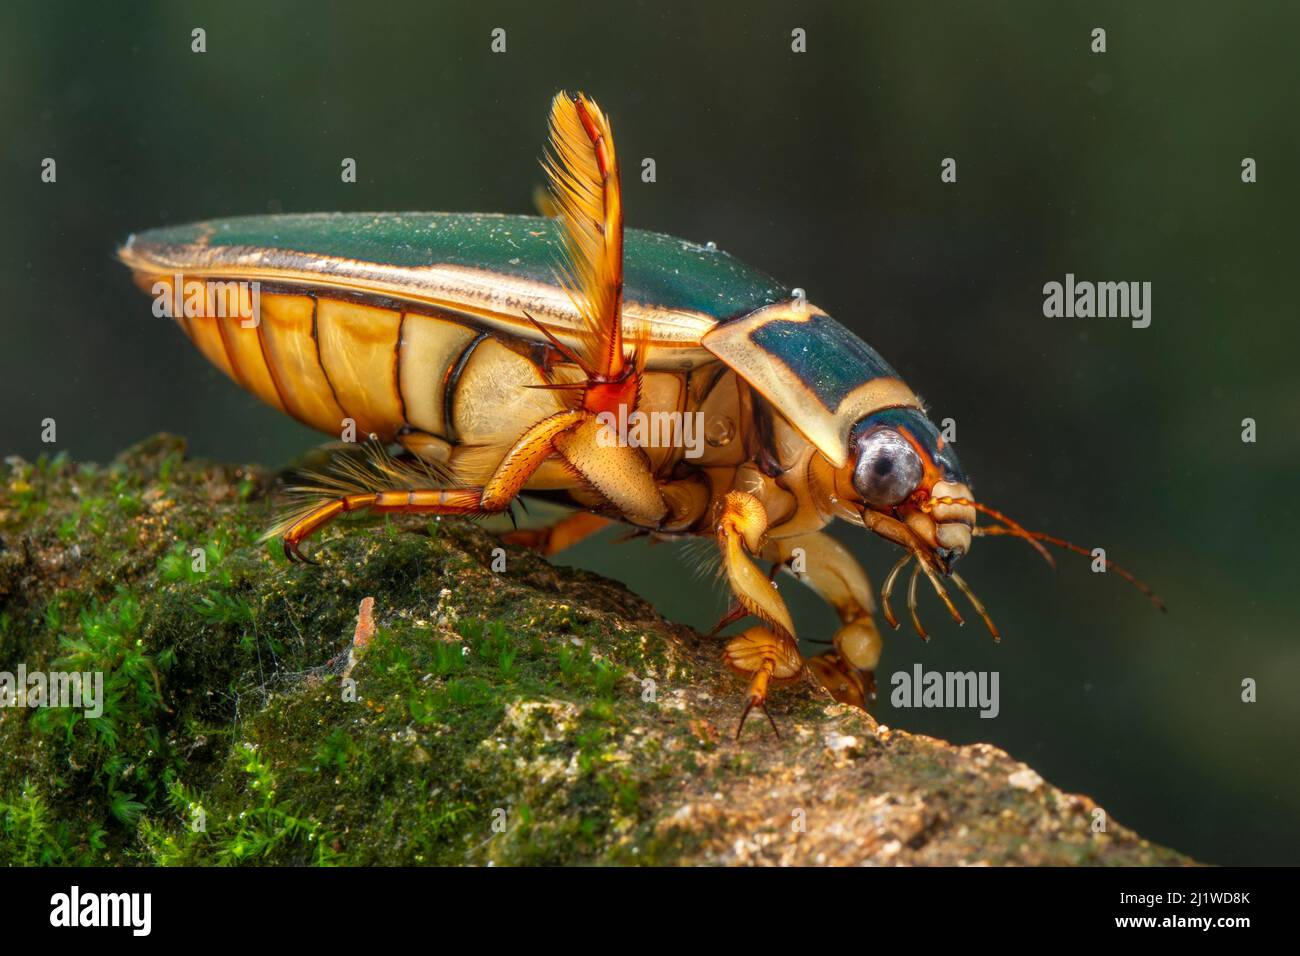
222, 327
243, 344
359, 352
492, 395
205, 335
430, 349
289, 337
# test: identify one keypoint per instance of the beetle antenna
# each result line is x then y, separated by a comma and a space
1071, 546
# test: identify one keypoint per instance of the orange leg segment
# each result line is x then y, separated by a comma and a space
767, 658
619, 473
554, 538
450, 501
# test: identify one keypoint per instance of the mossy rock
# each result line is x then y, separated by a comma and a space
536, 715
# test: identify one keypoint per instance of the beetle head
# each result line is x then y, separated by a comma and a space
903, 482
899, 465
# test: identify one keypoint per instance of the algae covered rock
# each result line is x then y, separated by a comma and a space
410, 701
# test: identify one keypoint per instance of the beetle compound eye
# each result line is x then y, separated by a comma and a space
888, 468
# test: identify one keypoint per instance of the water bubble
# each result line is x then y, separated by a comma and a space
720, 431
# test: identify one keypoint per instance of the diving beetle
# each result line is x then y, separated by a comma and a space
496, 350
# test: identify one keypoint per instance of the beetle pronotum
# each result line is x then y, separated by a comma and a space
495, 350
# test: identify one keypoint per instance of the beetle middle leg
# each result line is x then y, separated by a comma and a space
553, 538
847, 670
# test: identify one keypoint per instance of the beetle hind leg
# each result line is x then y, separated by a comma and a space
618, 473
349, 490
449, 501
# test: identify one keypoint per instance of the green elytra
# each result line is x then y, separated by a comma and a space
658, 269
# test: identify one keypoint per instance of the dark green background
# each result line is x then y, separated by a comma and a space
823, 169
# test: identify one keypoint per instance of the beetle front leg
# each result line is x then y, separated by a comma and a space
766, 653
741, 528
826, 566
768, 658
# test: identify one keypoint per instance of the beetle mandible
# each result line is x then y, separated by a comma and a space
506, 354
